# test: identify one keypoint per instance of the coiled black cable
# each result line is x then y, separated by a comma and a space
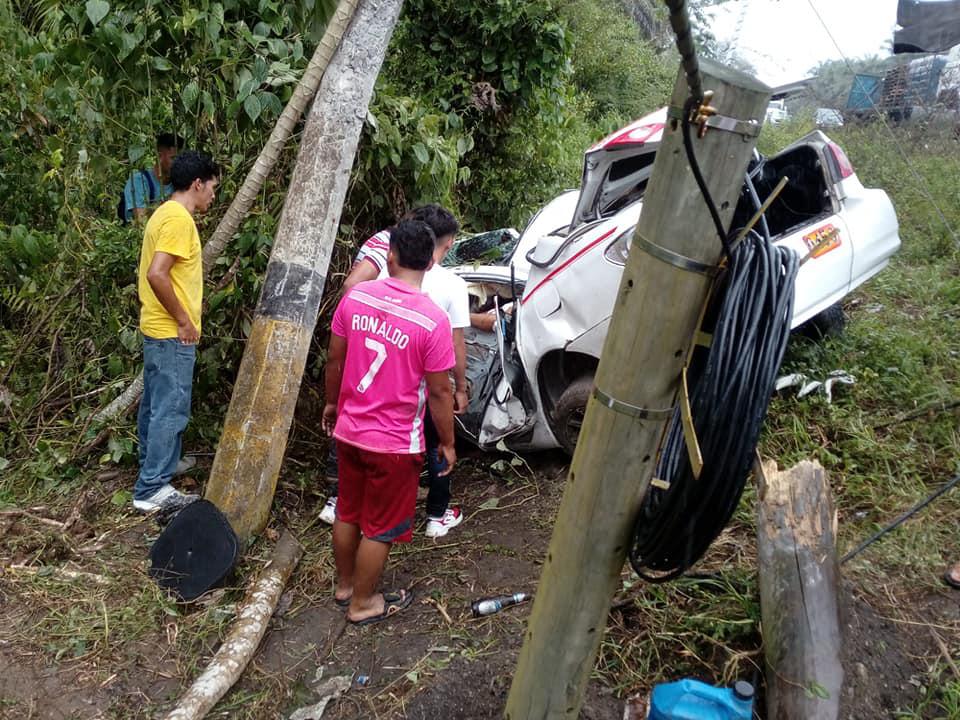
730, 384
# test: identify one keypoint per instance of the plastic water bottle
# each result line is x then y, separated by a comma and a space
694, 700
489, 606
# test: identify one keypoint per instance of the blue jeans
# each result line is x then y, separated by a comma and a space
164, 411
438, 497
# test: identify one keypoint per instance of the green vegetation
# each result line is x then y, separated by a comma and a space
484, 107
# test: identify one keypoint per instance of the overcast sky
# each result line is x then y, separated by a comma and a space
783, 39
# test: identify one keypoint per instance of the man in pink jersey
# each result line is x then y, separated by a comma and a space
390, 353
449, 292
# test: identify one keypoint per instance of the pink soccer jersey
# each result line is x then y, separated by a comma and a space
395, 335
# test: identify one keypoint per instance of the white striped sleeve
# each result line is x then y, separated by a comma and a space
375, 250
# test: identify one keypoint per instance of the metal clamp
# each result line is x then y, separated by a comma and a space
676, 259
631, 410
745, 128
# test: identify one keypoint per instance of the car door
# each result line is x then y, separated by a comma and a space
817, 229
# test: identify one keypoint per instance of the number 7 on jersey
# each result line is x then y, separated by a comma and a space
380, 349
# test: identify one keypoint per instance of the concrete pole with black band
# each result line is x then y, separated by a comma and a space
244, 474
662, 291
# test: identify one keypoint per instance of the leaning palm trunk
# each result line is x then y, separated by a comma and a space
230, 223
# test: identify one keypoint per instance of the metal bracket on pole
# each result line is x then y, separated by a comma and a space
745, 128
631, 410
671, 258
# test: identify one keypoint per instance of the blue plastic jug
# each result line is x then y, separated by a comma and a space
694, 700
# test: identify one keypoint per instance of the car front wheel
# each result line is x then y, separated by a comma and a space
569, 411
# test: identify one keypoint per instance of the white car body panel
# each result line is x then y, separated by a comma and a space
565, 309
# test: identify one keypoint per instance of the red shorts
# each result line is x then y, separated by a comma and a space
378, 492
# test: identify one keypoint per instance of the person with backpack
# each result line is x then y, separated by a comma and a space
149, 187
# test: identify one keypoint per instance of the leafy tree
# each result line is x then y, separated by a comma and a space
623, 76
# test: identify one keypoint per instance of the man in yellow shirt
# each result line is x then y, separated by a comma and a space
170, 285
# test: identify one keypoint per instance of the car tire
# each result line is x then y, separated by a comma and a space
569, 411
825, 324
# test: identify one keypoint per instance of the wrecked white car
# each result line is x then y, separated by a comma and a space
553, 291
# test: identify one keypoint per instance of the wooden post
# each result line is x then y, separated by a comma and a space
796, 540
650, 333
245, 469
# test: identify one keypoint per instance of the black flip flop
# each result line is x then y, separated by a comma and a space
345, 603
950, 581
393, 603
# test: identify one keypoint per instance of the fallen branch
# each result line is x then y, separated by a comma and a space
59, 573
248, 630
929, 409
35, 328
33, 516
266, 161
225, 280
945, 651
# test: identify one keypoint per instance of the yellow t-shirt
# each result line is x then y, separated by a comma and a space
171, 229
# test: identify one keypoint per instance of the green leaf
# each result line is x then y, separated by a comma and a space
207, 99
4, 463
488, 55
121, 498
97, 10
161, 63
213, 27
510, 83
190, 94
421, 152
277, 47
491, 504
128, 42
246, 87
252, 107
464, 144
135, 152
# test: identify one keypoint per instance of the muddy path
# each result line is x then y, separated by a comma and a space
108, 644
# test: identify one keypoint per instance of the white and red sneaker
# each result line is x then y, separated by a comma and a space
438, 527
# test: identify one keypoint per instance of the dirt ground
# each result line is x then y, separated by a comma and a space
432, 661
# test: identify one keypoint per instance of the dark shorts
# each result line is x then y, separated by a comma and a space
378, 492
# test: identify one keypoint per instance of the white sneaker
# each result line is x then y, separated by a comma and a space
185, 465
438, 527
329, 512
167, 498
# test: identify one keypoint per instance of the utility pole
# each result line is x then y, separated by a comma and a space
245, 470
662, 291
